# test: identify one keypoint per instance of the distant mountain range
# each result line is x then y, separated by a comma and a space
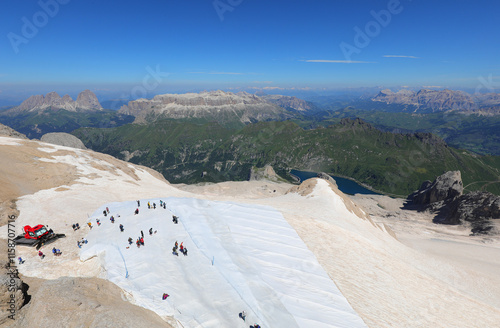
426, 100
41, 114
85, 102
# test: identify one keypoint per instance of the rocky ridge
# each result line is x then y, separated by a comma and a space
212, 106
86, 101
442, 100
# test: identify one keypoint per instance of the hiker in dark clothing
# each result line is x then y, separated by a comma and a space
165, 295
150, 231
142, 234
130, 240
138, 203
136, 211
121, 227
104, 212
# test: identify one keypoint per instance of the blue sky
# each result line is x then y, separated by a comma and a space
114, 46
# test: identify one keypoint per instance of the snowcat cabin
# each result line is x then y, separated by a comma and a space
36, 232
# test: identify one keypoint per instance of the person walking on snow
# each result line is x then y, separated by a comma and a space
243, 315
121, 227
138, 203
89, 224
150, 231
98, 222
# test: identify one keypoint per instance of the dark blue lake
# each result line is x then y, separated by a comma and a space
345, 185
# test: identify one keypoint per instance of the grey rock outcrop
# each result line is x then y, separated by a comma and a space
9, 132
63, 139
11, 292
265, 173
444, 197
477, 208
446, 187
327, 177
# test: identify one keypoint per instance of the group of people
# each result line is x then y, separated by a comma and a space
56, 252
181, 248
81, 242
76, 226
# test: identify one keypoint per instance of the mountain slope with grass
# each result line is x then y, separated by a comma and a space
389, 162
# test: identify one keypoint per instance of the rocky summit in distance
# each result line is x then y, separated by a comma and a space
86, 101
213, 106
445, 198
426, 100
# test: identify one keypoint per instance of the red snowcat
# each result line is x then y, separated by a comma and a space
37, 236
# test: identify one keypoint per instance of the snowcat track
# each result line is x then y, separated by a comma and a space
48, 240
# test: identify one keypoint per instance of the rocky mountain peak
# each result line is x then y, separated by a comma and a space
86, 101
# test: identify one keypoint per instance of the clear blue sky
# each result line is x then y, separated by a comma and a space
257, 43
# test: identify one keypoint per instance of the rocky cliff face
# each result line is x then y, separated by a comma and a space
446, 187
444, 198
432, 100
477, 208
217, 106
86, 101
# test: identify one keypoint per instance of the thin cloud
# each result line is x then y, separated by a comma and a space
400, 56
336, 61
263, 82
217, 73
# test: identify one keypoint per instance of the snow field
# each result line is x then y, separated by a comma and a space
240, 257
